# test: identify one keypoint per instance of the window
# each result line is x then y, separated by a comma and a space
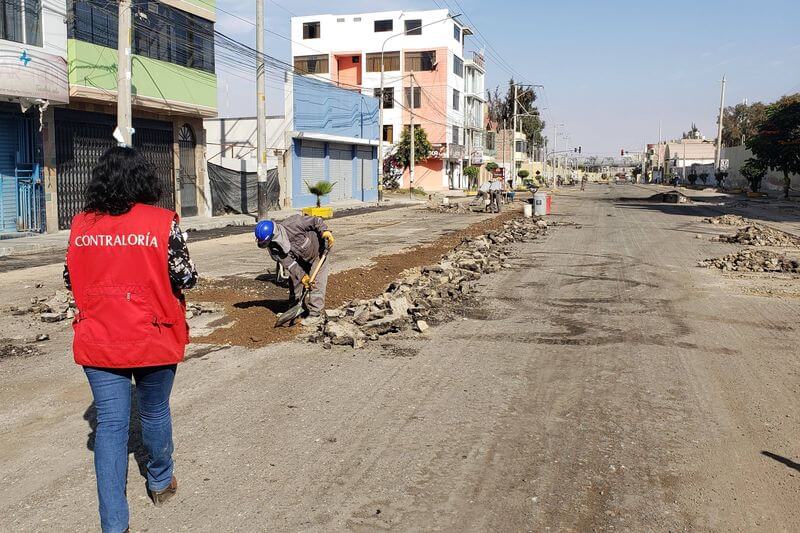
458, 66
414, 27
384, 25
311, 30
388, 134
340, 19
417, 103
21, 21
520, 146
166, 34
312, 64
457, 32
355, 59
391, 62
388, 97
490, 140
419, 61
356, 19
456, 135
456, 99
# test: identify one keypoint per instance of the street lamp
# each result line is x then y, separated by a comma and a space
380, 103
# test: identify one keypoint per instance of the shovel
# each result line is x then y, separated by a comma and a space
297, 309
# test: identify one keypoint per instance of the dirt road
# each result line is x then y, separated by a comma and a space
603, 383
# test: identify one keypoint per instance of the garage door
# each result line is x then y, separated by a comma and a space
341, 161
364, 164
312, 165
9, 137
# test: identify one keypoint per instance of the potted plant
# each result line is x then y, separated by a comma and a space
319, 189
472, 172
754, 171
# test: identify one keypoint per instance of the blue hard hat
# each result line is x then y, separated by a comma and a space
264, 230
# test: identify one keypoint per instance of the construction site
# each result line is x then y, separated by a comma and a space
622, 363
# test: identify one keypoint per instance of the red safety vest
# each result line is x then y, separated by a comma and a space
127, 315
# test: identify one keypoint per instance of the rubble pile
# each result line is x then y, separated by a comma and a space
728, 220
435, 204
423, 296
758, 235
60, 306
194, 309
752, 260
9, 349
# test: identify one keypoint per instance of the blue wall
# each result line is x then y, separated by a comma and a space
321, 107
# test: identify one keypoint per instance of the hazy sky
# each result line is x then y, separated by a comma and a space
611, 69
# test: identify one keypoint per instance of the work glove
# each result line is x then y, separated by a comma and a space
306, 281
328, 236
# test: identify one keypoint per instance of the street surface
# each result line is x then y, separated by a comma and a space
605, 382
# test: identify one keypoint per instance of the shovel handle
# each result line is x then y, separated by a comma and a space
316, 268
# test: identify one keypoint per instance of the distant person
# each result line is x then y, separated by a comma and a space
127, 265
297, 243
584, 179
495, 191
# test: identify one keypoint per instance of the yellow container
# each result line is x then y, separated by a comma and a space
321, 212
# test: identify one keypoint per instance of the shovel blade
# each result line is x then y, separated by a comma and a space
292, 314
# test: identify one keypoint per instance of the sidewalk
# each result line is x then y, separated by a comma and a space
56, 242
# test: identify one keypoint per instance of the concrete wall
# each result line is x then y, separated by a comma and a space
773, 181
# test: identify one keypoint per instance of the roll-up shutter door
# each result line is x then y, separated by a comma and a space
364, 166
341, 161
9, 141
312, 165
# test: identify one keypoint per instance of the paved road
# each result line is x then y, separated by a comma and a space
605, 383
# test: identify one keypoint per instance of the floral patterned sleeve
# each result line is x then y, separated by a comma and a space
182, 273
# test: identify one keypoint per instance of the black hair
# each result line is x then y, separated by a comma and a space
121, 178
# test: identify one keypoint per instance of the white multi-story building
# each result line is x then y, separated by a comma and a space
474, 119
423, 49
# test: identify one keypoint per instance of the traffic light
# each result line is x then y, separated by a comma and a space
580, 148
622, 153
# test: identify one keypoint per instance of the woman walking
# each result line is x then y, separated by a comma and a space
127, 263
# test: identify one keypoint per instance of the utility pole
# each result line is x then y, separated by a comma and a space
658, 152
719, 127
514, 140
124, 126
555, 151
261, 113
413, 152
505, 125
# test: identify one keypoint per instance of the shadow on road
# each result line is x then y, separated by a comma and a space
781, 459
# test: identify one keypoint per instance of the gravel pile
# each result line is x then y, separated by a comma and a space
424, 295
729, 220
758, 235
452, 207
754, 261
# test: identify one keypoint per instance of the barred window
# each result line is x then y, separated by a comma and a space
419, 61
391, 62
312, 64
388, 97
159, 31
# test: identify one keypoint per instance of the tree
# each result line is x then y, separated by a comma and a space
741, 121
522, 174
693, 133
753, 171
472, 172
502, 109
777, 142
491, 166
401, 157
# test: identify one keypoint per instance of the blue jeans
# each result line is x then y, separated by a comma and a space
111, 389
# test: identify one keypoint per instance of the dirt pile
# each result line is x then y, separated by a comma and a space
253, 305
10, 349
424, 295
752, 260
728, 220
435, 204
758, 235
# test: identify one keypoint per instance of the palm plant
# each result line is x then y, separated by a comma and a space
320, 189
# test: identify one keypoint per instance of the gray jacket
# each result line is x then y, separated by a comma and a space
297, 243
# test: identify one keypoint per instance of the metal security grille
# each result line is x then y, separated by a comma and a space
187, 175
81, 138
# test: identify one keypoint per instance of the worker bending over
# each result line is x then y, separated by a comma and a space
297, 243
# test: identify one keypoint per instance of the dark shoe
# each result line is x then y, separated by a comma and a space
160, 497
